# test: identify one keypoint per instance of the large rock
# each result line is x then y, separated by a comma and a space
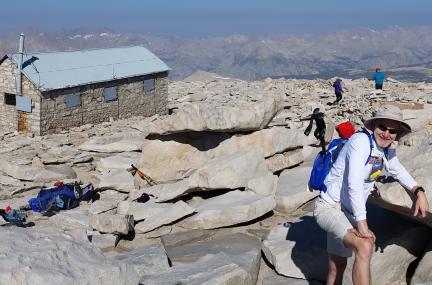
229, 172
242, 249
154, 214
206, 117
115, 162
42, 256
292, 190
229, 209
298, 249
114, 143
211, 269
119, 179
37, 173
108, 223
173, 159
146, 260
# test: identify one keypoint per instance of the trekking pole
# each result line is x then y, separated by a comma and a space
134, 170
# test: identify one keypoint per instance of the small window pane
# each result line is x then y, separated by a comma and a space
73, 100
23, 104
10, 99
110, 93
149, 85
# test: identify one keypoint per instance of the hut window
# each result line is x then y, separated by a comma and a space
149, 85
73, 100
10, 99
110, 93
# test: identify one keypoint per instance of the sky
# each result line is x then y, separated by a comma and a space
213, 17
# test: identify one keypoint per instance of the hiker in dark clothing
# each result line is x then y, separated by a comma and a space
338, 90
319, 133
379, 78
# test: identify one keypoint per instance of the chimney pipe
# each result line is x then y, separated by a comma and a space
20, 62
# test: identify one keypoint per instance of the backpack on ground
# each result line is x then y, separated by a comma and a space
61, 197
324, 161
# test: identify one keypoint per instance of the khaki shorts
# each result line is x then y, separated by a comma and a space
336, 223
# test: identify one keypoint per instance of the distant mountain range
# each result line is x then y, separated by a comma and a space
403, 53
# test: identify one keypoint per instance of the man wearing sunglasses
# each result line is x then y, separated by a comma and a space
341, 210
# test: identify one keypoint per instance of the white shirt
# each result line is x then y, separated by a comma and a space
350, 181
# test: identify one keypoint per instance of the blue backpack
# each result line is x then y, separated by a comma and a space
324, 161
63, 197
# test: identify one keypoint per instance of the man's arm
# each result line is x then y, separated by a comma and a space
398, 171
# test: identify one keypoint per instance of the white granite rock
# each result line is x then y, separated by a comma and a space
233, 171
42, 256
292, 190
146, 260
113, 143
109, 223
211, 269
156, 215
232, 208
120, 180
298, 249
37, 174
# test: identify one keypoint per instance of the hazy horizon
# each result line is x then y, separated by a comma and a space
194, 18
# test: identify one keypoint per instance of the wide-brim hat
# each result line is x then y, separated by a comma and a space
389, 112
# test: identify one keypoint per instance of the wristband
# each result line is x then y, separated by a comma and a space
419, 189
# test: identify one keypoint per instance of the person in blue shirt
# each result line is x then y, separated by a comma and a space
379, 78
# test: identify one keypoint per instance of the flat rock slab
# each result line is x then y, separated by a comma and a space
104, 241
156, 215
37, 173
146, 260
232, 208
209, 270
243, 250
108, 223
77, 218
101, 206
207, 117
298, 249
227, 172
115, 162
173, 158
120, 180
46, 256
114, 143
292, 190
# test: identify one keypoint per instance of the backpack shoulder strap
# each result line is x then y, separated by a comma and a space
370, 144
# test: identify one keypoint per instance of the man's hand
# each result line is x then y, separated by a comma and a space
421, 205
363, 231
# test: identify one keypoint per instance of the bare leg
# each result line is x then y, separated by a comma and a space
337, 265
363, 249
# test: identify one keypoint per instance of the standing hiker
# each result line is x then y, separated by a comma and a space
341, 210
379, 78
320, 130
338, 90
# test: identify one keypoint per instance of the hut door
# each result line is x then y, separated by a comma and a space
22, 122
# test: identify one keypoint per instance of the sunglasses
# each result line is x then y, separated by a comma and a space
384, 128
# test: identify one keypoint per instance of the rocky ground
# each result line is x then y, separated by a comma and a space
229, 204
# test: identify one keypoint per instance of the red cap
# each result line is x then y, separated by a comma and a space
345, 129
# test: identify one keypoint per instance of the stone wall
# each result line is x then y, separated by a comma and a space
132, 101
8, 113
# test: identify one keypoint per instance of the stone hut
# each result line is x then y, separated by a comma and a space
60, 90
